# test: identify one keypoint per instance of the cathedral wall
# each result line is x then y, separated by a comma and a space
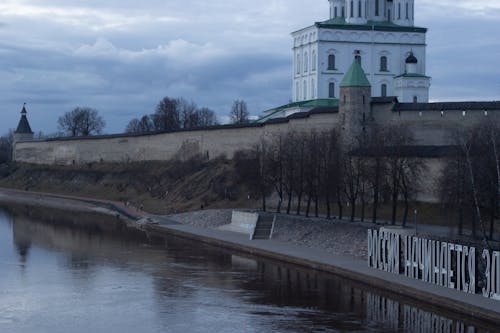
394, 45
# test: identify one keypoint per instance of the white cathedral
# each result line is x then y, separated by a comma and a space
379, 32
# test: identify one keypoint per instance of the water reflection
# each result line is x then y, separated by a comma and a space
97, 276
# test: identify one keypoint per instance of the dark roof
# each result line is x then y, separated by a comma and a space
408, 151
324, 109
444, 106
24, 126
384, 100
298, 115
411, 59
340, 23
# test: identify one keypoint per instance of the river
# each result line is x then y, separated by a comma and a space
57, 276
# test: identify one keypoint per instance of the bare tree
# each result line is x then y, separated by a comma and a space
143, 125
6, 146
206, 117
81, 121
239, 112
166, 116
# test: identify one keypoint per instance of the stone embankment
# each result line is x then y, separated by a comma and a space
332, 236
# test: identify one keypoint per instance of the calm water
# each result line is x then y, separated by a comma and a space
59, 279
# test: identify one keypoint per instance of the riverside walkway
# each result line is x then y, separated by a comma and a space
475, 306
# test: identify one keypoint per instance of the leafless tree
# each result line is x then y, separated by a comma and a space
143, 125
6, 146
81, 121
239, 112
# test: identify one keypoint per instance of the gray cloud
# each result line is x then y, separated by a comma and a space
122, 57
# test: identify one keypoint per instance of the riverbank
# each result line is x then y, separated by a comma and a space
334, 247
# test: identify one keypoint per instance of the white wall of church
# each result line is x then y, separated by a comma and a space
313, 46
315, 75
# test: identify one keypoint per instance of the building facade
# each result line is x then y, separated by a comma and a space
381, 33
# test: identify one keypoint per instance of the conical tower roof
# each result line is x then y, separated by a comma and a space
24, 126
355, 76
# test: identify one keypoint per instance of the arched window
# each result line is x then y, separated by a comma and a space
407, 14
331, 61
352, 9
399, 11
359, 8
305, 90
335, 12
331, 90
376, 7
306, 63
415, 99
383, 90
313, 90
383, 64
389, 15
343, 11
297, 64
297, 92
313, 60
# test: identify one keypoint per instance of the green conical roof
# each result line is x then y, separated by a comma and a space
355, 76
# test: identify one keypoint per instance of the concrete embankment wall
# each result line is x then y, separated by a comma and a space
211, 142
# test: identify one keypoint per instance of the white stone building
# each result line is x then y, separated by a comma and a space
381, 32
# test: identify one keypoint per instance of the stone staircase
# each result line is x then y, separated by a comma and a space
264, 227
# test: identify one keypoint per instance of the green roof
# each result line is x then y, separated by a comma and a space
355, 76
321, 102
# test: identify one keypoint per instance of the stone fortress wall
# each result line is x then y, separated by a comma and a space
432, 126
211, 142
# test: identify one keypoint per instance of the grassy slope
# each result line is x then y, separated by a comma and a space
161, 187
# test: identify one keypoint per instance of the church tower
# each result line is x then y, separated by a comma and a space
381, 32
354, 104
23, 131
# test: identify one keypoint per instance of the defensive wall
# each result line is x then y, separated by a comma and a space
210, 142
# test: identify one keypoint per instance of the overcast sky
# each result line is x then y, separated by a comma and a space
122, 56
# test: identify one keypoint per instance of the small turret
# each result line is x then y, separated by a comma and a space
23, 131
411, 64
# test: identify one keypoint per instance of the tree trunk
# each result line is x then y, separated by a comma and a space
353, 210
263, 202
316, 206
308, 208
299, 201
339, 204
405, 215
328, 207
362, 209
460, 220
289, 205
394, 206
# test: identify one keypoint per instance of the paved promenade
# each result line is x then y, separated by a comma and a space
475, 306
